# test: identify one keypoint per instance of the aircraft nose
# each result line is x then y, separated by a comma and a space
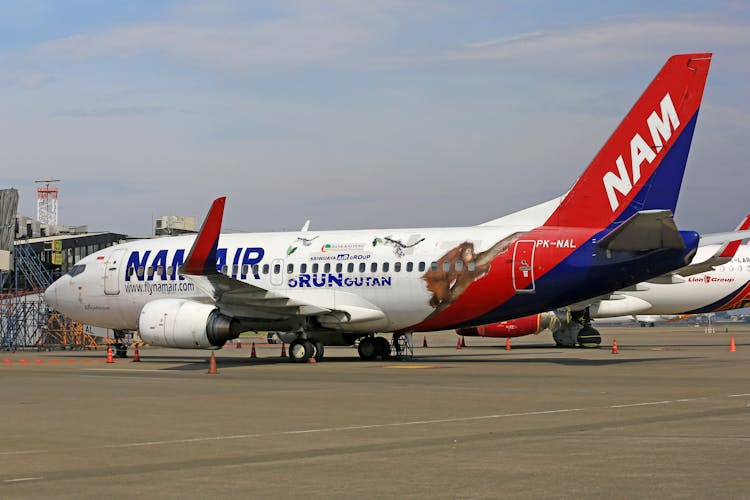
50, 295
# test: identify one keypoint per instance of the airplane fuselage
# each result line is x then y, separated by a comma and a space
420, 279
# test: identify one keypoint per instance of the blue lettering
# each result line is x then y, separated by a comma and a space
177, 261
304, 280
335, 279
292, 283
386, 280
253, 255
235, 262
160, 260
135, 262
221, 258
318, 282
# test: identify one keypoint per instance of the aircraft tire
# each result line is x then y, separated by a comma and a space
367, 349
301, 350
589, 338
121, 350
319, 350
382, 347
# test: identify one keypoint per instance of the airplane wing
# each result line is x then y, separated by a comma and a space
645, 230
238, 298
730, 242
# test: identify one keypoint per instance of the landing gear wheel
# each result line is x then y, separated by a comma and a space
300, 350
120, 350
382, 347
367, 349
319, 350
589, 337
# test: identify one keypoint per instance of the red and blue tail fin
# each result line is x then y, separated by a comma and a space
642, 164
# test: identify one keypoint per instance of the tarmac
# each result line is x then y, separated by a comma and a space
666, 417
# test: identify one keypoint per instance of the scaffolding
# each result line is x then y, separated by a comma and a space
62, 332
23, 317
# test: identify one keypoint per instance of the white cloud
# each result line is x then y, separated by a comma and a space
611, 44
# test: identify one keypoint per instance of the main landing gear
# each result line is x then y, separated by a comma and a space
588, 336
120, 345
301, 350
370, 348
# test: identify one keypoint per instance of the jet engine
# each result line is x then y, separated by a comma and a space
518, 327
186, 324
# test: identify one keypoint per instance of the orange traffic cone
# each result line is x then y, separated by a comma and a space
283, 350
110, 359
424, 341
507, 344
239, 344
463, 341
458, 344
212, 364
136, 355
312, 359
252, 352
732, 348
614, 347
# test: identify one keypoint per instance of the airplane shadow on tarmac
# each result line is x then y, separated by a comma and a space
192, 365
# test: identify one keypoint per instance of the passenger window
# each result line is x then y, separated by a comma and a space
303, 268
235, 268
140, 271
386, 266
409, 267
224, 269
131, 271
315, 268
446, 266
265, 268
290, 268
421, 267
150, 272
327, 268
255, 269
374, 267
339, 267
350, 267
433, 266
459, 265
276, 268
170, 270
362, 267
245, 268
471, 266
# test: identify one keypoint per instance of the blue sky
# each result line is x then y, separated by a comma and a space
353, 114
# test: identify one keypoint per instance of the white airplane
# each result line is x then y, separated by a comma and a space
612, 229
718, 279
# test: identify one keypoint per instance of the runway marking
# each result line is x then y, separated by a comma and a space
356, 427
412, 367
129, 370
650, 403
738, 395
21, 479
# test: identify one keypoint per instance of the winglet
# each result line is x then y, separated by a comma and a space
202, 257
732, 246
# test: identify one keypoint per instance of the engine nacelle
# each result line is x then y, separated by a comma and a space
518, 327
184, 323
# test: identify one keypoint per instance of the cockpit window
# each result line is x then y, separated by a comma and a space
76, 270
